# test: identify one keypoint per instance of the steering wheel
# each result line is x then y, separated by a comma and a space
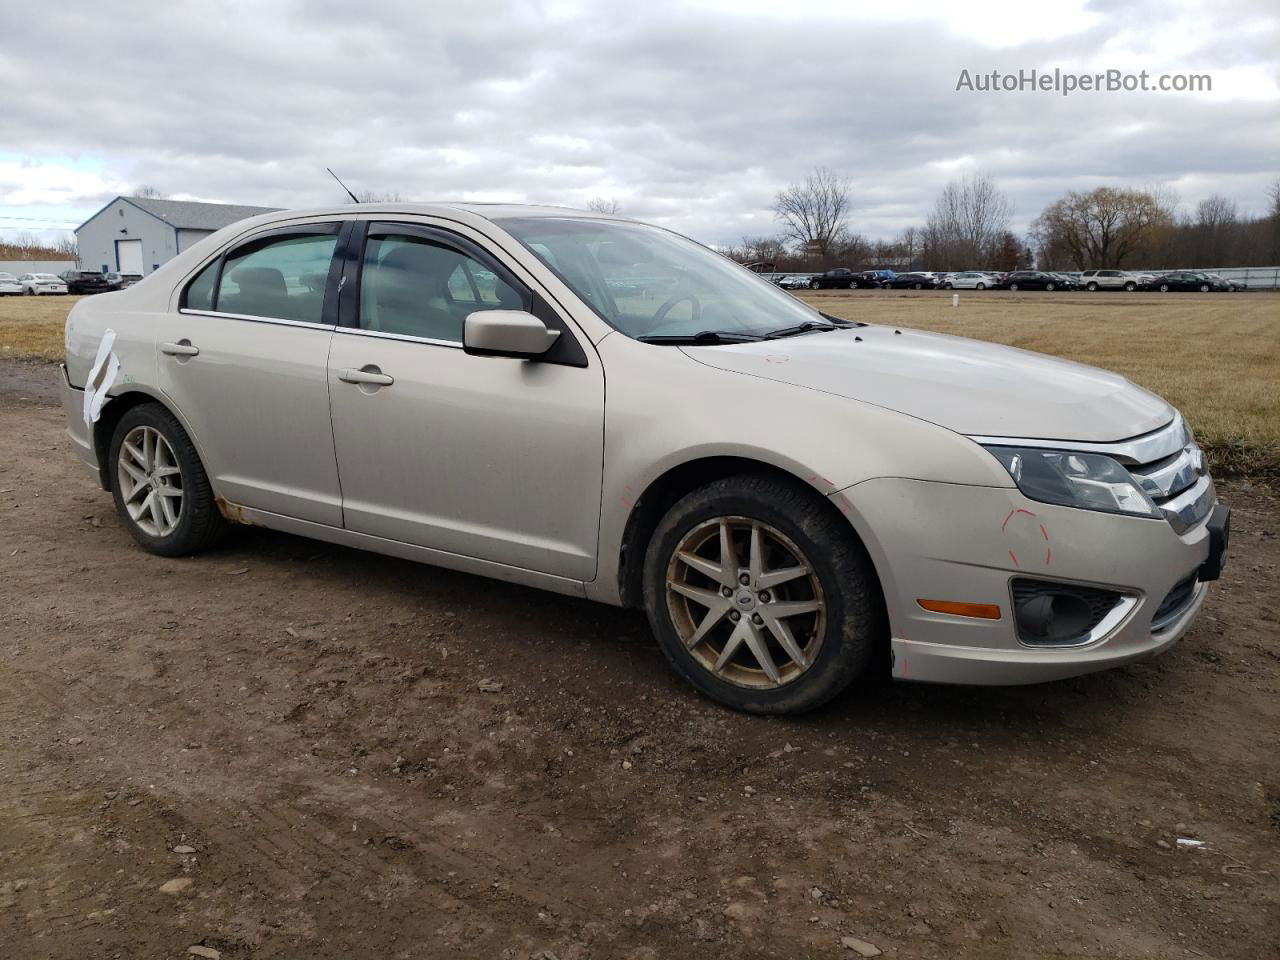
663, 310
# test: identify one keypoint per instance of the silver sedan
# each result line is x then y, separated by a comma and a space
608, 410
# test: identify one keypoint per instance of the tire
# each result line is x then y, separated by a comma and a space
1164, 288
1130, 287
1204, 288
1091, 287
853, 284
947, 285
1050, 287
980, 286
198, 524
917, 286
814, 285
838, 639
1013, 286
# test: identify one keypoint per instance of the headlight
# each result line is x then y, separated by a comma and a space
1087, 480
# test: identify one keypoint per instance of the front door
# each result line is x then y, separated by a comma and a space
487, 457
244, 362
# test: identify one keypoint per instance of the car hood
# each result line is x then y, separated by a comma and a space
969, 386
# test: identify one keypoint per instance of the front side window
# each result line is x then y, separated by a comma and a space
646, 281
281, 277
417, 287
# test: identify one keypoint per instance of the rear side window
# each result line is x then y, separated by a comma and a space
281, 277
417, 287
199, 295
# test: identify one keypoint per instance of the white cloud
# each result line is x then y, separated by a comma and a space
690, 114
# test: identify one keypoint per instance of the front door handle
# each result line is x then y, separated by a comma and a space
366, 374
183, 348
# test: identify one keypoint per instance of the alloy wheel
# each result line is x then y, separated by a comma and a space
745, 602
150, 481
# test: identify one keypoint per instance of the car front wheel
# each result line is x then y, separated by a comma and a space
760, 596
1130, 287
161, 490
1204, 288
980, 286
1013, 286
1164, 288
814, 285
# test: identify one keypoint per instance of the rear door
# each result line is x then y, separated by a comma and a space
493, 458
244, 361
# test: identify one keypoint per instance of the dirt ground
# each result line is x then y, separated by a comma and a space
352, 756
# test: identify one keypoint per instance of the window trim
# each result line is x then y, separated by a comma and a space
566, 351
341, 229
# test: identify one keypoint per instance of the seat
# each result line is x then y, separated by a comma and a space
409, 293
262, 293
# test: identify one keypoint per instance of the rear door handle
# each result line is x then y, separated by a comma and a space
368, 374
183, 348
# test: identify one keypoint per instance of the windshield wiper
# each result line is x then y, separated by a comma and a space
807, 327
702, 336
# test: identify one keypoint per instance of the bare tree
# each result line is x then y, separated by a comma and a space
606, 205
146, 191
968, 221
815, 213
67, 247
377, 196
1217, 219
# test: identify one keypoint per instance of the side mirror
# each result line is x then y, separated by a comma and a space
506, 333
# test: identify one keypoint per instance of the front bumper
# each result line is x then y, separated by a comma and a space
950, 542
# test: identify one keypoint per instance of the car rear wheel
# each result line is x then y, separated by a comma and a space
1013, 286
1204, 288
760, 596
813, 285
980, 286
1130, 287
161, 490
1164, 288
1091, 287
853, 284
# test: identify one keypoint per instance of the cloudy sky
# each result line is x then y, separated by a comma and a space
689, 114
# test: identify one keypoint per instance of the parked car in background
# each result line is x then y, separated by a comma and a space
798, 282
1030, 280
970, 280
121, 281
789, 496
1188, 280
910, 281
873, 279
9, 285
1109, 280
840, 277
84, 281
1068, 280
1233, 286
39, 284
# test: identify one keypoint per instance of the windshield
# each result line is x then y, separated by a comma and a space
649, 282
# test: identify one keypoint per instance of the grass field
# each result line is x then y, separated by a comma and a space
1216, 357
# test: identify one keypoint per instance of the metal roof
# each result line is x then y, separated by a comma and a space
189, 215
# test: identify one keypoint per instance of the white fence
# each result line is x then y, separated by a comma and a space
19, 267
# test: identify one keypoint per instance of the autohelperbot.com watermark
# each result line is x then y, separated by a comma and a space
1065, 83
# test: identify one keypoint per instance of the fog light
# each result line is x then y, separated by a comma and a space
1049, 614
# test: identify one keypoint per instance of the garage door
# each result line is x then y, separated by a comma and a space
129, 256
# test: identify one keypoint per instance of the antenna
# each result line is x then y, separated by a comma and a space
354, 198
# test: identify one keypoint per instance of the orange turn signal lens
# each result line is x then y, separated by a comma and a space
979, 611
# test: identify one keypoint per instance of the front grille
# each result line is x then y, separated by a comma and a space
1175, 602
1170, 468
1051, 614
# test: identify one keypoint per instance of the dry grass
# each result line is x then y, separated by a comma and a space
32, 326
1216, 357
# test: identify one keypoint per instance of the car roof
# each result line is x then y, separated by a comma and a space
488, 211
